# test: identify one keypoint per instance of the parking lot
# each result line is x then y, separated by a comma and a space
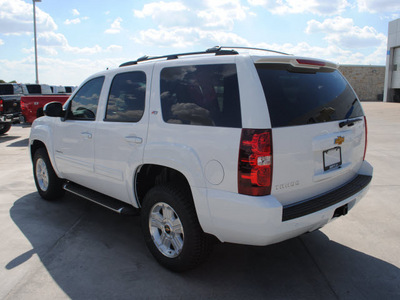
75, 249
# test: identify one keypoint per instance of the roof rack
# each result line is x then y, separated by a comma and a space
252, 48
217, 50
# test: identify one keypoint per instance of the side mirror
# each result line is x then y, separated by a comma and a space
53, 109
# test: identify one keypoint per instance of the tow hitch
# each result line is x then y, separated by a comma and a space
341, 211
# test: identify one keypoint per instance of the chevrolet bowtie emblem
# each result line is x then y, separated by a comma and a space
339, 140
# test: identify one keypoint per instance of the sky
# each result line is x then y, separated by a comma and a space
79, 38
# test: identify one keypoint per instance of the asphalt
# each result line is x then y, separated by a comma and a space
74, 249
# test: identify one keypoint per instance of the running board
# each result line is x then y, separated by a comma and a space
101, 199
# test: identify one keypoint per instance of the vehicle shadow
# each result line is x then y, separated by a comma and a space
91, 252
6, 138
23, 125
21, 143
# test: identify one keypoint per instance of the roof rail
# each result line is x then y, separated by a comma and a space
216, 50
252, 48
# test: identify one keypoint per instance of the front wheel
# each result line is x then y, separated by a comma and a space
47, 183
4, 127
171, 229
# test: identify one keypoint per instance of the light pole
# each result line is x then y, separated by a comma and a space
34, 32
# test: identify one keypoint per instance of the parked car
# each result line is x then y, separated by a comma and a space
10, 111
224, 144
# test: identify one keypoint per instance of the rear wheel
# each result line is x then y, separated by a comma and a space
4, 127
47, 183
171, 229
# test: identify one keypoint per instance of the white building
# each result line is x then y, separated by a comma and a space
392, 75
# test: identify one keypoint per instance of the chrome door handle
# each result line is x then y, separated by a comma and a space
133, 139
86, 135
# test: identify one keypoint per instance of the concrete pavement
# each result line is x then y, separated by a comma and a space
74, 249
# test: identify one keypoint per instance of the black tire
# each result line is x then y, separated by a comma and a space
47, 183
4, 127
39, 112
195, 244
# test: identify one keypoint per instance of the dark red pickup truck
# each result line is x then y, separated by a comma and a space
32, 106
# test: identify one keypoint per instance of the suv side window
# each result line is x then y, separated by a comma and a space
84, 104
205, 95
127, 97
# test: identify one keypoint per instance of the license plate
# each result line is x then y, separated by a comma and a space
332, 158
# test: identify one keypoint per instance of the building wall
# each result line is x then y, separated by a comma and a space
367, 81
392, 78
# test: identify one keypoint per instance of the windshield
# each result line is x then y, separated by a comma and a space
299, 96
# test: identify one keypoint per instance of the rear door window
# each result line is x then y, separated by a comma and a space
206, 95
127, 97
297, 96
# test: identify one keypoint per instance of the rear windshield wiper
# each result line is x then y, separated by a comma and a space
350, 122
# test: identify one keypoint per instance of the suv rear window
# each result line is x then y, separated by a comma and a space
298, 96
205, 95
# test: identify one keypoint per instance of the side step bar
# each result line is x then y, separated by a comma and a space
101, 199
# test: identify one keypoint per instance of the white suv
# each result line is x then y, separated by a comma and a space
245, 147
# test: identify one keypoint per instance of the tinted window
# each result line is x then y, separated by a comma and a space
126, 99
34, 88
6, 89
84, 104
299, 96
201, 95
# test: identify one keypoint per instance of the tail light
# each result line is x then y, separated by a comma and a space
255, 162
22, 103
1, 105
366, 137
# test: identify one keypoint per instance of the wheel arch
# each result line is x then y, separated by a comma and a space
35, 145
150, 175
41, 138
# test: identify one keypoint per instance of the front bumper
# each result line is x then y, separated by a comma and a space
263, 220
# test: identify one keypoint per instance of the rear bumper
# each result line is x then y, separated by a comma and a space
312, 205
263, 220
11, 118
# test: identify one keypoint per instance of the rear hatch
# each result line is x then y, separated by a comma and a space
318, 127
